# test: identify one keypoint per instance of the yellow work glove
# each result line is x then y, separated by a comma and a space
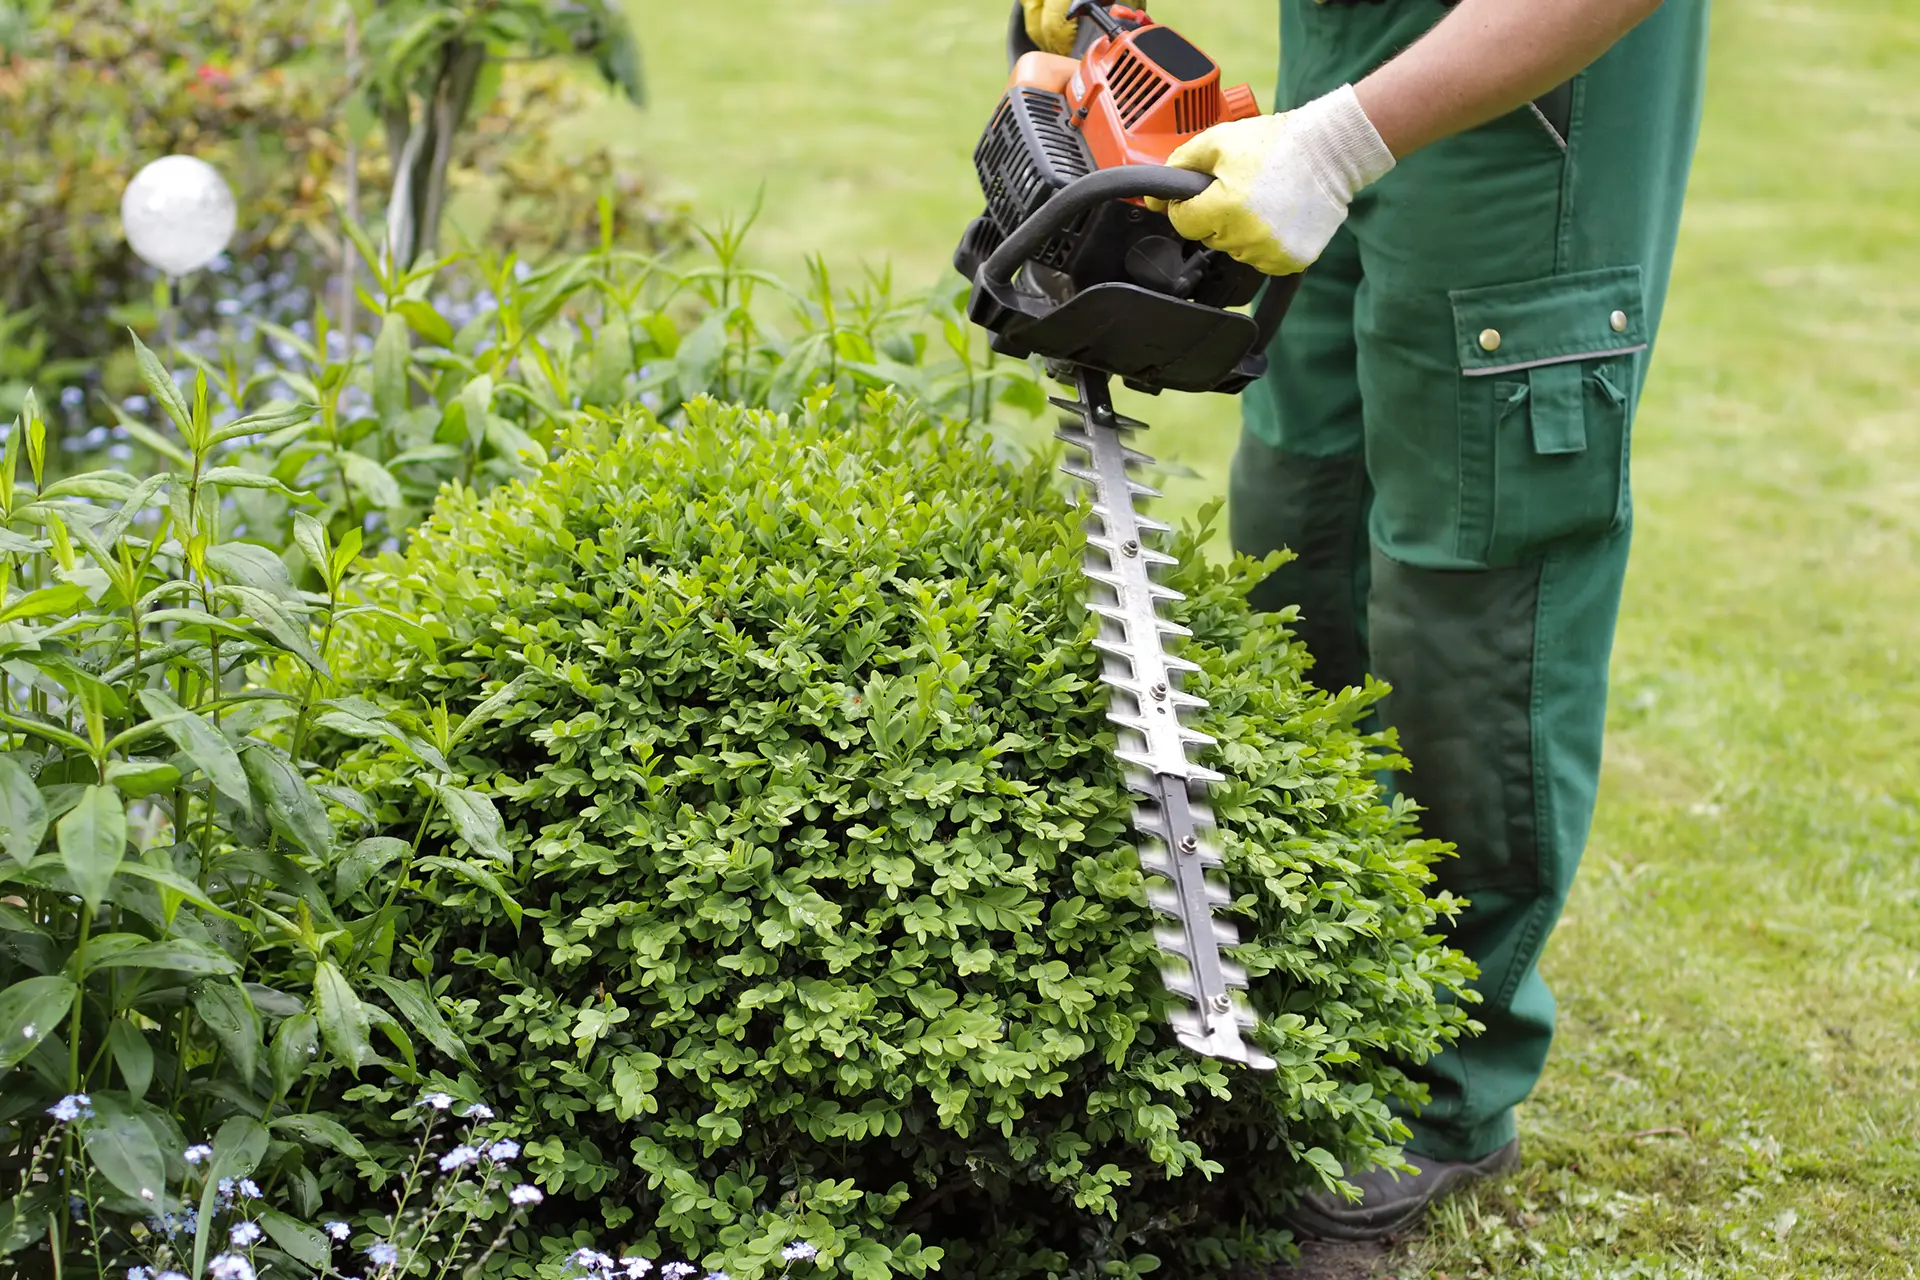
1048, 26
1282, 183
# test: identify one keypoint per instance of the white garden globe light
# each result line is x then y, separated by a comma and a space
178, 214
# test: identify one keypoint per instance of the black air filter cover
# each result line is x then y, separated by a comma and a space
1028, 153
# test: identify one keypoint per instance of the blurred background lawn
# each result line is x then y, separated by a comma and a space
1735, 1091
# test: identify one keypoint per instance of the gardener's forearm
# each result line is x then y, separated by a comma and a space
1485, 59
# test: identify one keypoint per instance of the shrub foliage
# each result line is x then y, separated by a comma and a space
811, 913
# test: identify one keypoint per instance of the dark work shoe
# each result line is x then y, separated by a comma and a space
1390, 1202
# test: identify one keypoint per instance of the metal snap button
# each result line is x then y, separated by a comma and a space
1619, 321
1489, 339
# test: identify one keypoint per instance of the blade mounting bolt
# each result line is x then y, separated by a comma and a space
1130, 548
1189, 844
1222, 1003
1160, 691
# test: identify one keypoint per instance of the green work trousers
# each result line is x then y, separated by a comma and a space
1442, 441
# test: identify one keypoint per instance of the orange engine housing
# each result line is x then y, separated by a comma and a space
1136, 96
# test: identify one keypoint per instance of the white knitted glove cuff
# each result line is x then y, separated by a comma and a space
1341, 145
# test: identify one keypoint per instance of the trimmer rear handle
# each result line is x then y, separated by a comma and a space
1123, 182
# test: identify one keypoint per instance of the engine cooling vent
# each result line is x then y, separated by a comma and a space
1196, 109
1137, 87
1026, 155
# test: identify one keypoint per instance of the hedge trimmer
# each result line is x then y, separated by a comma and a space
1067, 263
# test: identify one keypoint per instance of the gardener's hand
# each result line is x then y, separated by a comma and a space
1282, 183
1048, 25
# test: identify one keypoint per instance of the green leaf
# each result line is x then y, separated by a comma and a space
369, 479
698, 358
23, 1220
132, 1055
364, 861
294, 1045
473, 873
343, 1019
391, 350
237, 1151
426, 322
478, 822
226, 1012
201, 743
420, 1009
241, 478
307, 1245
29, 1012
311, 537
23, 814
93, 842
266, 422
293, 810
123, 1148
62, 598
183, 956
322, 1131
165, 392
140, 778
185, 889
251, 565
288, 628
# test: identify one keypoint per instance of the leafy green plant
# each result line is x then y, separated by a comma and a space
479, 366
90, 90
169, 940
809, 909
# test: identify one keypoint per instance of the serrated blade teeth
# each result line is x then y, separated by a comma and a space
1168, 627
1071, 406
1081, 474
1195, 738
1167, 903
1179, 664
1156, 863
1159, 592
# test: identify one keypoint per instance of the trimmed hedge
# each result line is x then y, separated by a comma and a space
832, 930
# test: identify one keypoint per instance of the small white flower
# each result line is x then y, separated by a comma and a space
635, 1268
383, 1254
244, 1234
677, 1271
799, 1252
196, 1153
169, 1275
230, 1266
249, 1189
438, 1101
139, 1273
71, 1108
339, 1230
718, 1275
526, 1193
478, 1111
503, 1150
458, 1158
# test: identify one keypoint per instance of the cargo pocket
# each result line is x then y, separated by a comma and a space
1547, 371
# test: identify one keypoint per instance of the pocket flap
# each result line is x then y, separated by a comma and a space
1506, 327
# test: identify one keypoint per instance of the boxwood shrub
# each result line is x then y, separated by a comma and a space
813, 914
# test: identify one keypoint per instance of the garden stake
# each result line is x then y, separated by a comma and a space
1069, 263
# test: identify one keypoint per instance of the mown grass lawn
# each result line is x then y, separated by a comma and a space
1735, 1091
